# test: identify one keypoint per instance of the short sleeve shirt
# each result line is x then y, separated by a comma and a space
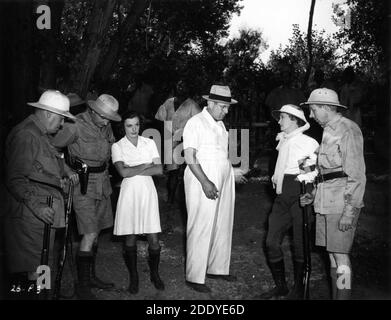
207, 136
130, 155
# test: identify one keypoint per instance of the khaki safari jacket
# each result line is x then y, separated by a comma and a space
341, 150
92, 145
33, 171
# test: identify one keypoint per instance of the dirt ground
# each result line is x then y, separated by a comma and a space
370, 253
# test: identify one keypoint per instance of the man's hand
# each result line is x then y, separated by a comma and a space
345, 223
45, 214
306, 199
210, 190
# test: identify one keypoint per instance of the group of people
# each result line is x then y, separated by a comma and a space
44, 154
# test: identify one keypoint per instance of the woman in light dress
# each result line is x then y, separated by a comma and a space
136, 159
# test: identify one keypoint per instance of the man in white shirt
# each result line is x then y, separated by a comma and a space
210, 192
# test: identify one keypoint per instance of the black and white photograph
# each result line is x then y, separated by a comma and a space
217, 153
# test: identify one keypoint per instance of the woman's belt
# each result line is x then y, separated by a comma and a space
329, 176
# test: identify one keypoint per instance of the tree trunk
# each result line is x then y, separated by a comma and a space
49, 44
309, 45
92, 45
112, 54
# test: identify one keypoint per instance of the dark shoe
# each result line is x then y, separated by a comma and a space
83, 287
225, 277
130, 257
153, 262
281, 289
297, 292
95, 281
200, 287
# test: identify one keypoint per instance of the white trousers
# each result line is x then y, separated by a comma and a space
210, 222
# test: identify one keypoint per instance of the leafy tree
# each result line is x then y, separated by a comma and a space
363, 35
324, 51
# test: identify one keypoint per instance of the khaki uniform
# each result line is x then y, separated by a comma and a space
341, 150
33, 172
92, 145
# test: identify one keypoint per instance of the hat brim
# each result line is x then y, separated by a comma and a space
323, 102
51, 109
111, 116
276, 115
233, 101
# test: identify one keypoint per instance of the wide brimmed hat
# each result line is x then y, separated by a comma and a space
290, 109
106, 106
53, 101
75, 99
324, 96
220, 94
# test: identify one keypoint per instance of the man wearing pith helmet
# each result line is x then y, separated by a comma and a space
338, 196
210, 192
34, 171
89, 142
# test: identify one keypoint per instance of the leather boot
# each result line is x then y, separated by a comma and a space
297, 292
278, 273
333, 279
83, 287
95, 281
153, 262
130, 257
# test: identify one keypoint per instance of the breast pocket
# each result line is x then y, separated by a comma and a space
331, 157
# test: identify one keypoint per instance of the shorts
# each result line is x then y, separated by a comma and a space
92, 215
328, 235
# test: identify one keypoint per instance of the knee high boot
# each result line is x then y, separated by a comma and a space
153, 262
130, 258
83, 287
297, 292
333, 279
94, 280
281, 288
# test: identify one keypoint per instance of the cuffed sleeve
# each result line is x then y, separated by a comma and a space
354, 166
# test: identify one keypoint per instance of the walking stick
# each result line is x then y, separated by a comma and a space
307, 248
64, 251
46, 242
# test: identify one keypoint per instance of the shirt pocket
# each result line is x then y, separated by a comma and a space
330, 157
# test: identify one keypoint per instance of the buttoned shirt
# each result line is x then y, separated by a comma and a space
179, 117
207, 136
132, 155
341, 150
86, 141
34, 169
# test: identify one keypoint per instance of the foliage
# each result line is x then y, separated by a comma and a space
364, 35
324, 50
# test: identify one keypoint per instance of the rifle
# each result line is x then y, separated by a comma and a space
308, 173
307, 247
64, 251
46, 242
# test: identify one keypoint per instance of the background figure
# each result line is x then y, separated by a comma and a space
338, 197
178, 109
34, 171
352, 95
136, 159
286, 213
210, 192
89, 141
